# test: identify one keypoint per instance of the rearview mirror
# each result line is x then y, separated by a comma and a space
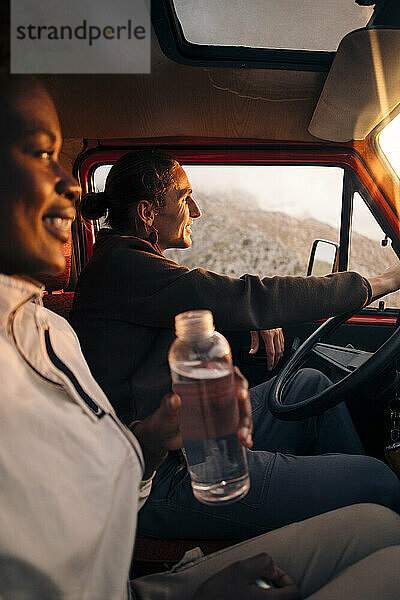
323, 258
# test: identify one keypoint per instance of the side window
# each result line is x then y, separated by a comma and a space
261, 219
367, 255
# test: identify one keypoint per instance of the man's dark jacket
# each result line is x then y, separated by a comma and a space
128, 295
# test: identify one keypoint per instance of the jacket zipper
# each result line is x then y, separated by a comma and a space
61, 366
55, 360
94, 408
10, 329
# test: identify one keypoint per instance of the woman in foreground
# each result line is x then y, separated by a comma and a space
73, 476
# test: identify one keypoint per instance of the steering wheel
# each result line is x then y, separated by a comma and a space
370, 365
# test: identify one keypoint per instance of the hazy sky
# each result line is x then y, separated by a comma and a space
301, 192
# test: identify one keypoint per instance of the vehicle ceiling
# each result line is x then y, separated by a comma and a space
179, 100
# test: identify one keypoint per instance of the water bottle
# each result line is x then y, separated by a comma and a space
202, 374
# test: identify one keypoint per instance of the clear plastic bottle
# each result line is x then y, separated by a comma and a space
202, 374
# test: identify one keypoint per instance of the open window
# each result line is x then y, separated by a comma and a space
259, 219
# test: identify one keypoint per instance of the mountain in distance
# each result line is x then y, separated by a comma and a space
234, 236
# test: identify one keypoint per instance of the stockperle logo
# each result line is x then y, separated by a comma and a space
80, 36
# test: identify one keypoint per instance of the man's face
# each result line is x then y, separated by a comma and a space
38, 196
174, 220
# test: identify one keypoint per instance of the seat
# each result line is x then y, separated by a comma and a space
56, 298
59, 302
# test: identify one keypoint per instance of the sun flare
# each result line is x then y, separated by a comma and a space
389, 140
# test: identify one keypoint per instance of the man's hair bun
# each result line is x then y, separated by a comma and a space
94, 205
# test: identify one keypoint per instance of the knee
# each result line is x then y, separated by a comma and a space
363, 528
384, 486
377, 521
309, 382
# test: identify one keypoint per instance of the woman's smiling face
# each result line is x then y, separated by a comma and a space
38, 196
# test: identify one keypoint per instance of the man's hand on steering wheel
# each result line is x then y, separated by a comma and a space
274, 345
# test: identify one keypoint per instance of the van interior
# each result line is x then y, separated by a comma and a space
287, 122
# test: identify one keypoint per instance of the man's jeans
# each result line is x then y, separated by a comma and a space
291, 473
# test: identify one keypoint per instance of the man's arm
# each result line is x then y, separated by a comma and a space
149, 290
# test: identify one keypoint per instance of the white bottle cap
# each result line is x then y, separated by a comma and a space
194, 324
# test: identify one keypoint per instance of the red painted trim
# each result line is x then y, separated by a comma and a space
189, 141
372, 320
297, 155
368, 320
90, 239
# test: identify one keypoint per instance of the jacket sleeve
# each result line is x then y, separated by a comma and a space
151, 290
